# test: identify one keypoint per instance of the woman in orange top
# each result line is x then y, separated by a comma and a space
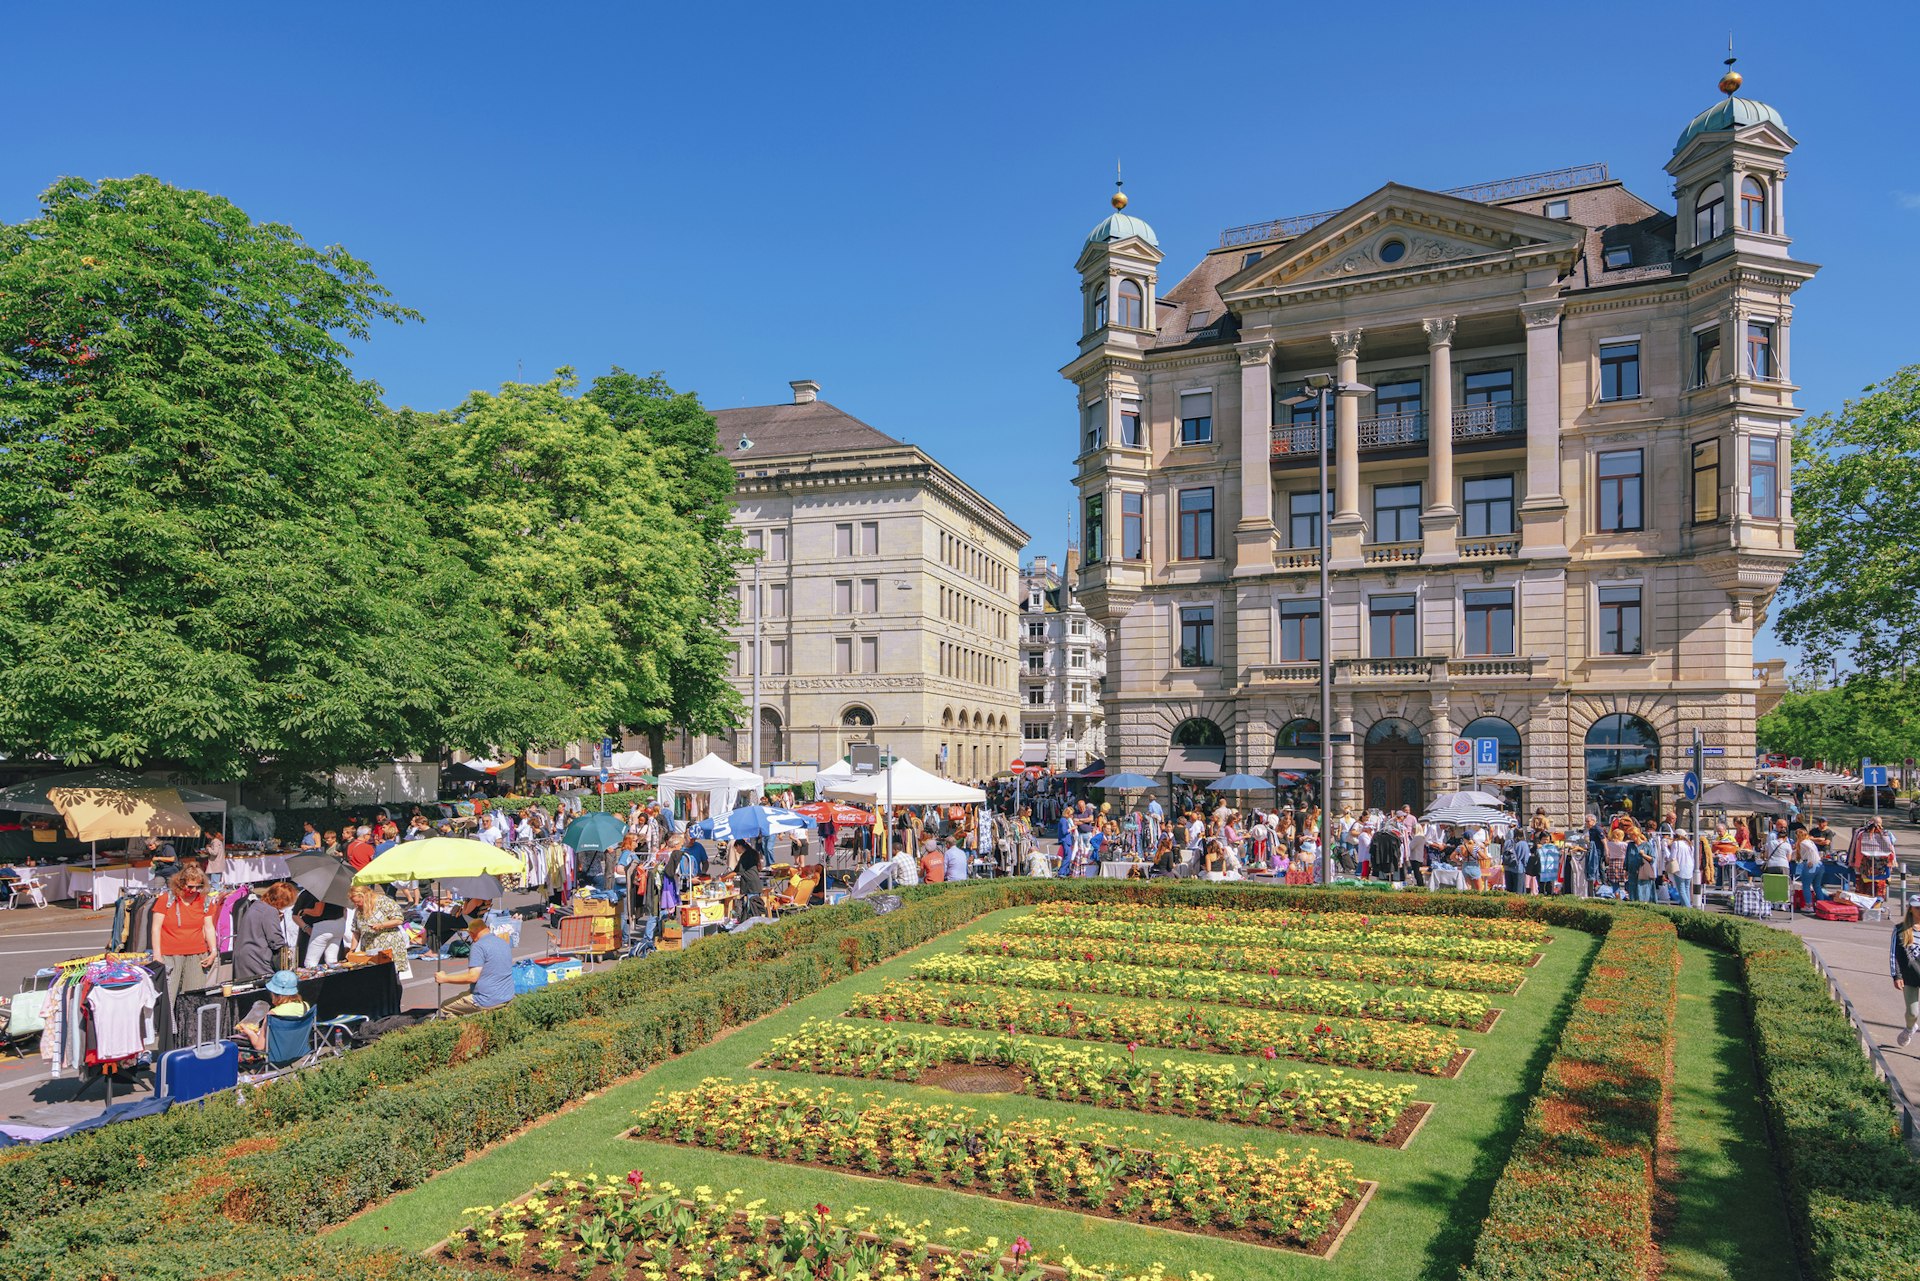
182, 931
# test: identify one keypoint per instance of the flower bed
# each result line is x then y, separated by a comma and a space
1494, 927
1266, 992
1384, 1047
1576, 1199
1315, 938
1239, 1094
1287, 1200
612, 1229
1462, 976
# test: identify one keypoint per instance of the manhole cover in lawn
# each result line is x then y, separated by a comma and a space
968, 1078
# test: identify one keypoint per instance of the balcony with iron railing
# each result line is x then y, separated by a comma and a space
1300, 442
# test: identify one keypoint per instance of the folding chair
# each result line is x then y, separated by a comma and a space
575, 938
1776, 890
29, 887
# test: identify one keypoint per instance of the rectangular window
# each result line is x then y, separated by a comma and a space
1559, 209
869, 653
1036, 662
1706, 357
1619, 256
1760, 361
869, 538
1196, 636
869, 595
1303, 521
1619, 620
843, 540
1619, 478
776, 544
1133, 526
1763, 477
1619, 371
1488, 506
843, 655
1038, 631
843, 596
1490, 387
1096, 528
1706, 481
1094, 425
1037, 695
1390, 629
1034, 731
1249, 258
776, 600
1398, 400
1196, 417
1130, 424
755, 540
776, 658
1196, 524
1078, 627
1300, 631
1077, 692
1396, 513
1077, 659
1198, 320
1489, 623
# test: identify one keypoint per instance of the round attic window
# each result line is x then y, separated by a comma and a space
1393, 250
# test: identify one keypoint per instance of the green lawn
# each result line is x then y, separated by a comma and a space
1729, 1219
1421, 1224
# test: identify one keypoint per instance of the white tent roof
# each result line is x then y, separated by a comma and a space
838, 772
910, 785
631, 762
1462, 800
722, 781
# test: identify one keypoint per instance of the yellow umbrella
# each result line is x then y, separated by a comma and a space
112, 813
436, 858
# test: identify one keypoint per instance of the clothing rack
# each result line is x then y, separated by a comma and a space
81, 962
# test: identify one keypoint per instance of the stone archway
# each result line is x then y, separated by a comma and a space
1393, 766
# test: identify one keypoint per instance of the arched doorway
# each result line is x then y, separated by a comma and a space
1502, 732
1620, 744
773, 736
1196, 756
1393, 766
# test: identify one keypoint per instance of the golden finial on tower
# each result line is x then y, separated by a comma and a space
1730, 81
1119, 196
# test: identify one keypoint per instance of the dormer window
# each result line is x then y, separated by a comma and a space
1753, 205
1100, 308
1709, 213
1249, 258
1619, 256
1559, 209
1198, 321
1132, 306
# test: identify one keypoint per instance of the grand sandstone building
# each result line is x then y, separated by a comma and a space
1558, 514
886, 585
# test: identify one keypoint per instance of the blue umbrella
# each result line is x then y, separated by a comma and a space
751, 822
1240, 783
1129, 782
594, 832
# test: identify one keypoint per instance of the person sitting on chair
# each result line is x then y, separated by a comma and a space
284, 988
489, 975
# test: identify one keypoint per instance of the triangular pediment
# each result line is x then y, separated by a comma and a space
1765, 135
1402, 231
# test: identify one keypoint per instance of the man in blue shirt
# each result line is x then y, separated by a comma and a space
489, 972
956, 862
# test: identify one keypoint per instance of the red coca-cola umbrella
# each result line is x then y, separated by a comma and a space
835, 814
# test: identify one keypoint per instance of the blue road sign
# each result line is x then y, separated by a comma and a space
1691, 786
1486, 751
1713, 751
1874, 775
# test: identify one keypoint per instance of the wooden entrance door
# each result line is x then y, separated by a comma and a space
1394, 767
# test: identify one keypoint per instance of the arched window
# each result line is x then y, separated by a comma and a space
1393, 732
1132, 312
946, 719
1099, 308
1288, 740
1620, 744
1503, 731
1709, 213
773, 737
1753, 205
857, 717
1198, 733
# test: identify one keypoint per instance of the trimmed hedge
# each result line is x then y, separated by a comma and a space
1576, 1199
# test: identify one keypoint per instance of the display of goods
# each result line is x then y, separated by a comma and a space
1255, 1093
1264, 991
592, 1226
1383, 1047
1489, 927
1466, 976
1314, 938
1285, 1199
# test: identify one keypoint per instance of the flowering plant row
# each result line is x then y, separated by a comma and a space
1308, 938
1242, 1094
1385, 1047
1269, 992
633, 1227
1492, 927
1280, 1199
1465, 976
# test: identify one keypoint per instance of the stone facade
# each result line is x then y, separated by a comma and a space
887, 587
1558, 474
1063, 665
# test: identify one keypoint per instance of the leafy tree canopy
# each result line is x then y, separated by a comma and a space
208, 556
1878, 719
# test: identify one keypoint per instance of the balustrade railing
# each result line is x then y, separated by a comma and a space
1292, 439
1391, 553
1482, 422
1392, 431
1492, 547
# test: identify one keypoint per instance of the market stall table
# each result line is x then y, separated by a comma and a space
106, 884
1121, 870
371, 988
248, 869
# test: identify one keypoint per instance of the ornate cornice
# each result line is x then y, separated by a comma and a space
1542, 315
1255, 353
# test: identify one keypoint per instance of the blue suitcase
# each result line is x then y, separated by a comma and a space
199, 1070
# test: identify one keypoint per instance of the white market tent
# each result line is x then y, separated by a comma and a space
630, 763
721, 782
840, 771
904, 783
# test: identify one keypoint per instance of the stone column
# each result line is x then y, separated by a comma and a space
1543, 513
1347, 528
1439, 523
1438, 746
1253, 535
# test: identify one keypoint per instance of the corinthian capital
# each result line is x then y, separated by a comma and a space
1255, 353
1439, 331
1541, 315
1346, 343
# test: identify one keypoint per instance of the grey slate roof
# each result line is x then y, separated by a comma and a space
813, 428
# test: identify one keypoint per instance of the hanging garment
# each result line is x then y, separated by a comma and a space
122, 1016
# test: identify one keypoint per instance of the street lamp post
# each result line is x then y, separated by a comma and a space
1320, 386
754, 712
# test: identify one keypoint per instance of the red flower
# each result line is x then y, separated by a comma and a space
1272, 973
887, 1018
820, 1209
636, 1178
1021, 1249
1089, 955
1132, 1046
1268, 1053
1321, 1029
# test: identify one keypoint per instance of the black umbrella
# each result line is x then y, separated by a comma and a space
322, 875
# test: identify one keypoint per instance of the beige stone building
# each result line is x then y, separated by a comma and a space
1559, 509
887, 593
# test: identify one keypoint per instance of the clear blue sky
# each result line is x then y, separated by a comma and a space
889, 198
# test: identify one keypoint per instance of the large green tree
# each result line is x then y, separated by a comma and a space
578, 551
679, 436
1866, 717
209, 557
1854, 597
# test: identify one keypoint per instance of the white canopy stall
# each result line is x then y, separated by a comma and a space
720, 782
904, 783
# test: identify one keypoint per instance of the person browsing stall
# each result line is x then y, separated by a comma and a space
260, 931
489, 972
1905, 963
182, 932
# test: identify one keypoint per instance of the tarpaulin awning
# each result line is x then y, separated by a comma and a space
115, 813
1195, 762
1294, 764
1739, 797
32, 796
